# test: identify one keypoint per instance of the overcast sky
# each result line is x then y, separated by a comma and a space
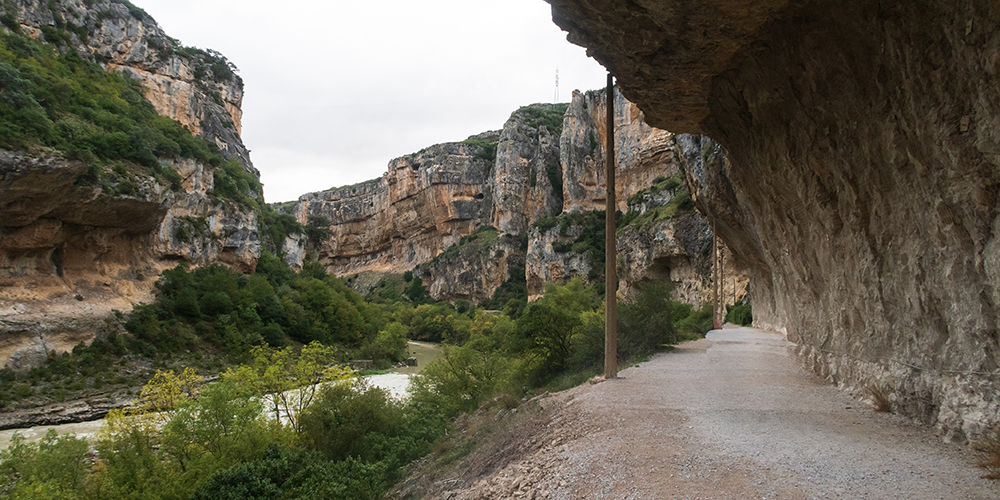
336, 89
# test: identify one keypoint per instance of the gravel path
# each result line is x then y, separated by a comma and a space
730, 416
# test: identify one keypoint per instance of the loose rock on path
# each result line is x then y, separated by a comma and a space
729, 416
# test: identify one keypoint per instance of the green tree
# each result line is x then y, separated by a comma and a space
318, 229
55, 467
225, 425
288, 382
390, 343
461, 379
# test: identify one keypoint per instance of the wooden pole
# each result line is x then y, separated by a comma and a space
718, 302
611, 249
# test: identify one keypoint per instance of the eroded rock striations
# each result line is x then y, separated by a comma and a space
71, 252
423, 204
547, 160
861, 184
643, 152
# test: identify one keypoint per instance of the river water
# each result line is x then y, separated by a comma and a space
396, 381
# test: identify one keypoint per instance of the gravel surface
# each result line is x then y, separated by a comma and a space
730, 416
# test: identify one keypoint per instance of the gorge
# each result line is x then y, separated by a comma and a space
860, 186
526, 182
524, 198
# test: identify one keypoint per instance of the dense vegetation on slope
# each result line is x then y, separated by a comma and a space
290, 330
341, 440
186, 439
54, 99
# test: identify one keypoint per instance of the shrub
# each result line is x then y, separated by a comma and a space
488, 147
879, 395
645, 321
693, 323
342, 419
547, 330
416, 292
54, 467
390, 343
739, 314
460, 380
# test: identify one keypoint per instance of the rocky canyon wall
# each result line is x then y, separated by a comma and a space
422, 205
644, 153
547, 160
71, 252
861, 184
198, 88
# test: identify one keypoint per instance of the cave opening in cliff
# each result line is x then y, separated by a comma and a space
659, 270
56, 258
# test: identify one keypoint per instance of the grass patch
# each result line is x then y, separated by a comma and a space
879, 396
488, 147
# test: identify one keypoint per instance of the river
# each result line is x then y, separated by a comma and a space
396, 381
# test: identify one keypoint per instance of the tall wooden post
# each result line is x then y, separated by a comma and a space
718, 277
611, 248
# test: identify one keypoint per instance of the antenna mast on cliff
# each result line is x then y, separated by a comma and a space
556, 100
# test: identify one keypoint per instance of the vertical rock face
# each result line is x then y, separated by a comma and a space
671, 249
860, 189
676, 250
643, 152
422, 205
473, 270
71, 253
527, 163
548, 262
546, 160
198, 88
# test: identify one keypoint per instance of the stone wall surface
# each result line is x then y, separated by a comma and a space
423, 204
200, 89
427, 201
71, 253
523, 191
643, 152
860, 189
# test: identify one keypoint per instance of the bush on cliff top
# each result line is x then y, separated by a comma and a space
549, 116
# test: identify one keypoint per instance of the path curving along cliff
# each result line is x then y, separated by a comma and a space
861, 184
729, 416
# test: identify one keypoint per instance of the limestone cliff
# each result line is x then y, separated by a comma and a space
73, 250
475, 267
548, 160
427, 201
527, 173
551, 258
70, 253
643, 152
198, 88
860, 188
423, 204
674, 249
